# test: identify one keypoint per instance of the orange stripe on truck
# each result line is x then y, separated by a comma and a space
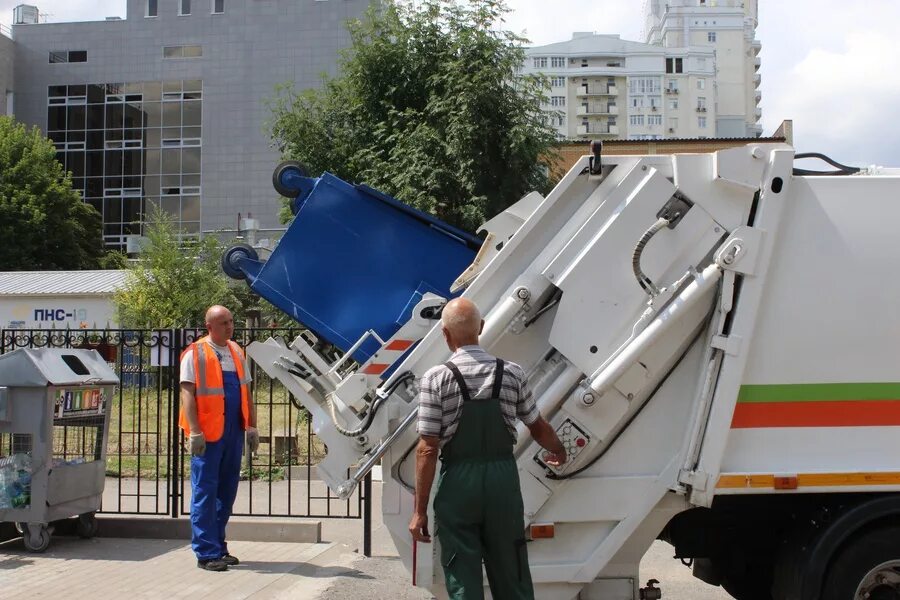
840, 413
399, 345
766, 481
375, 369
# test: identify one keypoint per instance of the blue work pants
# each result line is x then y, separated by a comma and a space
215, 477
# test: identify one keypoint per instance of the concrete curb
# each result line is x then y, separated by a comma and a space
239, 530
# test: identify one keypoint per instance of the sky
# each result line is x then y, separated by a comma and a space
829, 65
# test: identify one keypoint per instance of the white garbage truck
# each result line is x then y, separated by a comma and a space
715, 338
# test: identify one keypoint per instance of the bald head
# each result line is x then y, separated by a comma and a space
461, 322
220, 324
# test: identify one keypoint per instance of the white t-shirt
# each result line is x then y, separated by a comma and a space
225, 360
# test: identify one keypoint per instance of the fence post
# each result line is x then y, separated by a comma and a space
367, 515
175, 343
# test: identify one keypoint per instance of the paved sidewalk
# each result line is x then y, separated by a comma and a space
77, 569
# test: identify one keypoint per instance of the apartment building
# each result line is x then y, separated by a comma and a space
695, 76
728, 27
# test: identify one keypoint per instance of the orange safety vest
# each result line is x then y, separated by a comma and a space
210, 390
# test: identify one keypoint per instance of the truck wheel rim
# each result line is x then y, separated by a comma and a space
881, 583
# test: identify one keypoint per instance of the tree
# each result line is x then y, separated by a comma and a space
173, 282
429, 108
44, 224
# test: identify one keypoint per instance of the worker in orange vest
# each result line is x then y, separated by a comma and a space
216, 411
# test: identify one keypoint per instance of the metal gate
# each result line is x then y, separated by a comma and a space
148, 468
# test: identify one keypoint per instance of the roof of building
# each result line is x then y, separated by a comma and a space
53, 283
593, 44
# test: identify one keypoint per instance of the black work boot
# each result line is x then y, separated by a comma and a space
230, 560
213, 564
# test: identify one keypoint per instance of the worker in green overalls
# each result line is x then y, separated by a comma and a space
468, 409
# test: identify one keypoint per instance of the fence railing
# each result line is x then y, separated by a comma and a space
148, 468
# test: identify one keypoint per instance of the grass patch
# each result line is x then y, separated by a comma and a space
139, 442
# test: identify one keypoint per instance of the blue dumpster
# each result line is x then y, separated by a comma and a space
354, 259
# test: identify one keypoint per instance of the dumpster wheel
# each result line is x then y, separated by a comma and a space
87, 525
288, 165
232, 255
35, 536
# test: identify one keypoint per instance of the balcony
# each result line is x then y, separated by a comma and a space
758, 113
598, 130
671, 91
758, 96
597, 90
756, 45
754, 130
596, 110
701, 109
757, 79
757, 63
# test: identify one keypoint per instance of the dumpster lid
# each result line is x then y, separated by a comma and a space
54, 366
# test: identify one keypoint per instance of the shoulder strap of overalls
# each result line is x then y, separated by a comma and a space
463, 388
498, 379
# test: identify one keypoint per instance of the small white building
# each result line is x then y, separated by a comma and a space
59, 299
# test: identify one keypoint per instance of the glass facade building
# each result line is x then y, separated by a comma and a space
131, 147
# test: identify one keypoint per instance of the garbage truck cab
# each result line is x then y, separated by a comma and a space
712, 336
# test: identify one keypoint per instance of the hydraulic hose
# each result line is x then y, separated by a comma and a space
841, 169
639, 274
373, 407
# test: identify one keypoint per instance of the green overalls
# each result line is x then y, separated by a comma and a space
478, 507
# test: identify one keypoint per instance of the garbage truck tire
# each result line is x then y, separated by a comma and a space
87, 526
280, 170
231, 256
36, 537
867, 567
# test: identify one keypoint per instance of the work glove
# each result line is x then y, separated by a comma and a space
198, 444
252, 439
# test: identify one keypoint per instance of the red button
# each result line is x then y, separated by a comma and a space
580, 442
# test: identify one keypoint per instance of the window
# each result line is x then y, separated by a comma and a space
637, 102
557, 100
701, 84
558, 62
701, 104
643, 85
557, 82
674, 65
539, 62
218, 7
655, 102
673, 124
701, 122
71, 56
672, 86
184, 7
152, 8
673, 104
711, 36
654, 120
637, 120
182, 52
584, 62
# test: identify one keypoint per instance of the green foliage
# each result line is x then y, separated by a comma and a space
174, 281
113, 260
429, 107
44, 224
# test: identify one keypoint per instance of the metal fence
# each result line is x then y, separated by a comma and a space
148, 467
